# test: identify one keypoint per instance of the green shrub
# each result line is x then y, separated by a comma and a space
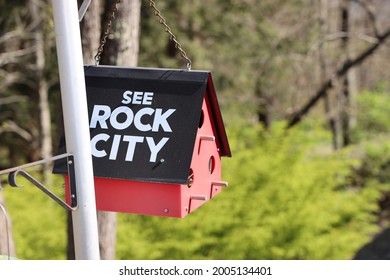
39, 223
287, 199
373, 114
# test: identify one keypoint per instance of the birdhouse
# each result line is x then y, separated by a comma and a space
157, 138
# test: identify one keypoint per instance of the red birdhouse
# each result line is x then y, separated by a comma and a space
157, 138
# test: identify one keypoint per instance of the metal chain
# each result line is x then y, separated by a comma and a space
157, 13
106, 32
172, 37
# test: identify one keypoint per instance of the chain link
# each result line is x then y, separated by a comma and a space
172, 37
157, 13
106, 32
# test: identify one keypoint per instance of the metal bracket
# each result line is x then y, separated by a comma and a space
13, 172
83, 8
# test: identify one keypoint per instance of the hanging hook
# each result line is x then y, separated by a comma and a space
13, 172
12, 182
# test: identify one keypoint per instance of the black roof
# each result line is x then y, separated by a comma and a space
177, 91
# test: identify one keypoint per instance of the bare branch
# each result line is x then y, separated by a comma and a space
7, 79
341, 72
9, 57
10, 35
343, 35
11, 126
370, 10
12, 99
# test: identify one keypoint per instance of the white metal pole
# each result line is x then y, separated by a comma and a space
74, 104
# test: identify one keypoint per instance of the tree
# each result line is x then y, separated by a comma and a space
121, 48
13, 51
323, 64
347, 114
378, 39
340, 72
42, 85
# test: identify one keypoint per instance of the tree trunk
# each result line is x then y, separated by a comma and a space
123, 45
264, 104
329, 113
42, 86
346, 93
90, 31
121, 48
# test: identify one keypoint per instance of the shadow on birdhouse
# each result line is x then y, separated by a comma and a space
157, 138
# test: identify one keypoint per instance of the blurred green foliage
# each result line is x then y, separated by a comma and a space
373, 115
39, 223
289, 197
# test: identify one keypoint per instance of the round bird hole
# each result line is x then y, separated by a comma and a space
190, 179
211, 164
